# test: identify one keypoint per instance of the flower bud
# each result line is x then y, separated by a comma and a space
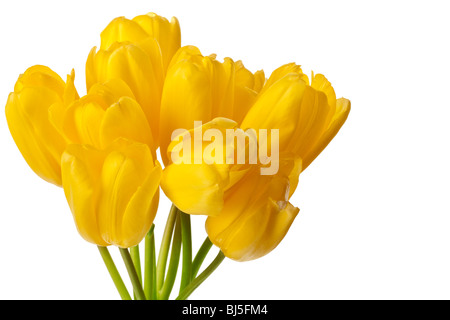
113, 194
27, 114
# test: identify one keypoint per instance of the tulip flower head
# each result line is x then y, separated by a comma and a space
166, 33
308, 116
108, 112
208, 87
138, 52
234, 195
113, 193
36, 91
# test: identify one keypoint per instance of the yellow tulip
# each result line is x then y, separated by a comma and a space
255, 217
308, 116
113, 193
248, 213
106, 113
141, 71
27, 114
167, 34
210, 176
138, 52
200, 88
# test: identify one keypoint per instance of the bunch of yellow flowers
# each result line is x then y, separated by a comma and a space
146, 92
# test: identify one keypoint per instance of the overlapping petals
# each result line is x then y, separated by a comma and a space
255, 217
198, 177
113, 193
138, 52
27, 108
106, 113
308, 116
166, 33
200, 88
248, 213
142, 72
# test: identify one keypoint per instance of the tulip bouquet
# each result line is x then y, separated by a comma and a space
232, 144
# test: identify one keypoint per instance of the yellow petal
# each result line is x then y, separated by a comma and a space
186, 98
124, 170
112, 193
141, 210
222, 86
121, 29
111, 91
247, 87
56, 116
198, 135
57, 110
260, 80
202, 83
91, 70
320, 83
40, 76
195, 188
342, 110
38, 141
140, 71
293, 168
29, 114
81, 167
281, 217
82, 121
244, 98
281, 72
299, 112
167, 34
198, 188
314, 116
255, 217
125, 119
244, 77
190, 53
70, 92
278, 108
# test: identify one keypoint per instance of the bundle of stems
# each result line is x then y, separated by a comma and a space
159, 274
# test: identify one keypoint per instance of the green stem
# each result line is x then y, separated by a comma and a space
137, 287
200, 257
117, 279
186, 239
134, 252
150, 265
135, 257
202, 277
165, 246
169, 280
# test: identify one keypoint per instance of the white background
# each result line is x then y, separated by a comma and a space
375, 213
